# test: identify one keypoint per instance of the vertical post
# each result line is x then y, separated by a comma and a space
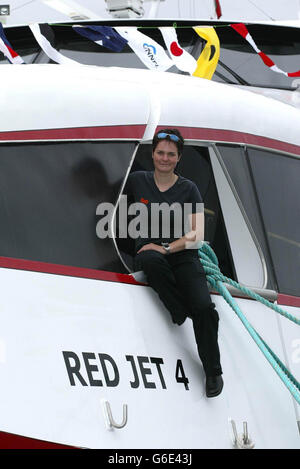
154, 8
4, 13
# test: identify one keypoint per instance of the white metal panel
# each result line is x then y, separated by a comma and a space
51, 314
200, 103
291, 343
57, 96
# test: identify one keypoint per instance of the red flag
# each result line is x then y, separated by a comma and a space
218, 9
241, 29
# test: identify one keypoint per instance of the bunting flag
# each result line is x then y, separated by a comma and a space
218, 9
149, 51
7, 49
182, 59
45, 37
243, 31
209, 57
152, 54
103, 35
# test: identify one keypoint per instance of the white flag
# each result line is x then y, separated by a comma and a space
182, 59
150, 52
45, 37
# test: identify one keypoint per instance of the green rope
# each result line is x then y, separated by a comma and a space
216, 279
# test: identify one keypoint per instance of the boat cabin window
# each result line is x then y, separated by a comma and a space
237, 166
194, 165
279, 204
49, 196
267, 184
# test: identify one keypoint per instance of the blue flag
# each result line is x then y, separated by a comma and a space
103, 35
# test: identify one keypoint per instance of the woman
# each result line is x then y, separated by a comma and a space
170, 260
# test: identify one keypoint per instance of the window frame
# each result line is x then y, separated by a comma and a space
272, 294
243, 210
259, 207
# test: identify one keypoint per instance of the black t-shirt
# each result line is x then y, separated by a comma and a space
159, 216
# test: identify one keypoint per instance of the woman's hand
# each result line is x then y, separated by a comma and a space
152, 247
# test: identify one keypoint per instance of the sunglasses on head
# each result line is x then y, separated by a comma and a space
171, 136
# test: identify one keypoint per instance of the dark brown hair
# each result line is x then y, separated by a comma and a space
178, 144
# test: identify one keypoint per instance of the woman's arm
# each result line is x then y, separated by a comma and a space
190, 240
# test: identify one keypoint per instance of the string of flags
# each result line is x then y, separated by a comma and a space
182, 59
149, 51
152, 54
243, 31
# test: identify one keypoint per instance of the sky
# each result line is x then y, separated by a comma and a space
27, 11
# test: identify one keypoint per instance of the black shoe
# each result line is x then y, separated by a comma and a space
214, 385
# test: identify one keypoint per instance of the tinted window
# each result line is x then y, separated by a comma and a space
277, 182
49, 194
237, 165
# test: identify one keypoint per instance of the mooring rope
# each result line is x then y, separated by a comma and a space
216, 279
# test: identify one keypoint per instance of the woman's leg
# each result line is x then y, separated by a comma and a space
161, 278
191, 281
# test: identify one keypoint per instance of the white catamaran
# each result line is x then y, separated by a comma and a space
89, 357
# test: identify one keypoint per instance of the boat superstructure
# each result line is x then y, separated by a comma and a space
80, 328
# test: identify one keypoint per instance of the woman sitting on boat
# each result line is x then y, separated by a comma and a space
170, 260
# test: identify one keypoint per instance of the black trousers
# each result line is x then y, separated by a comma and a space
180, 282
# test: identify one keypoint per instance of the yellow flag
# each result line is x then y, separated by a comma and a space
209, 57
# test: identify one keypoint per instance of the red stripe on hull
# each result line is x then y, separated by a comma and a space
70, 271
86, 133
232, 136
288, 300
136, 132
11, 441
